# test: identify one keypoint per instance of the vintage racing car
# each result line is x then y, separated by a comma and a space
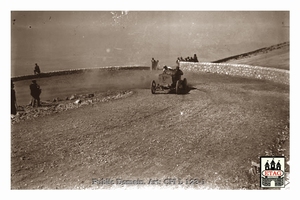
167, 82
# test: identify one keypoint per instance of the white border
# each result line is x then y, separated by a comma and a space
12, 5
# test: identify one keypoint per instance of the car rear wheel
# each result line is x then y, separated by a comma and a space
153, 87
178, 85
184, 84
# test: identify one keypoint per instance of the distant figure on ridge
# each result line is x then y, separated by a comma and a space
177, 61
195, 58
154, 64
36, 69
35, 92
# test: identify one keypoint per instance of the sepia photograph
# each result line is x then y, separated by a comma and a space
150, 99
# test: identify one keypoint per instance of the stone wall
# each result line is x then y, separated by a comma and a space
258, 72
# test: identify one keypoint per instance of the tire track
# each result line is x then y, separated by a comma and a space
148, 136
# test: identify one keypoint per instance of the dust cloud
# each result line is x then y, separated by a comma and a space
94, 81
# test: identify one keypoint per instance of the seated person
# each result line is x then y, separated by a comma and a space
167, 69
176, 73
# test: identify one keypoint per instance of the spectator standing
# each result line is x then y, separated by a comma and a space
154, 64
195, 58
13, 100
35, 92
177, 61
37, 69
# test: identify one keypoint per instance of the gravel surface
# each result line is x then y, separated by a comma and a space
207, 138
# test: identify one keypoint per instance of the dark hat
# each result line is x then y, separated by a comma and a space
34, 81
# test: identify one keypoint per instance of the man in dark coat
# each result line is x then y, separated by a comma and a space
13, 100
177, 75
35, 92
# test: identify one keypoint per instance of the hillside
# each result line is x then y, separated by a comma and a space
275, 56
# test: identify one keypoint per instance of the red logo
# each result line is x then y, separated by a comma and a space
273, 173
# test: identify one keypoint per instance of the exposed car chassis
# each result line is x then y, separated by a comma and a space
166, 83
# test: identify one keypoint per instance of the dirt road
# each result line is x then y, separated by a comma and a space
206, 138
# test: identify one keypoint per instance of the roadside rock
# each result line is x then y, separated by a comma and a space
77, 101
72, 97
49, 107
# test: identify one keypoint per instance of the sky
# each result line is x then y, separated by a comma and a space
58, 40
